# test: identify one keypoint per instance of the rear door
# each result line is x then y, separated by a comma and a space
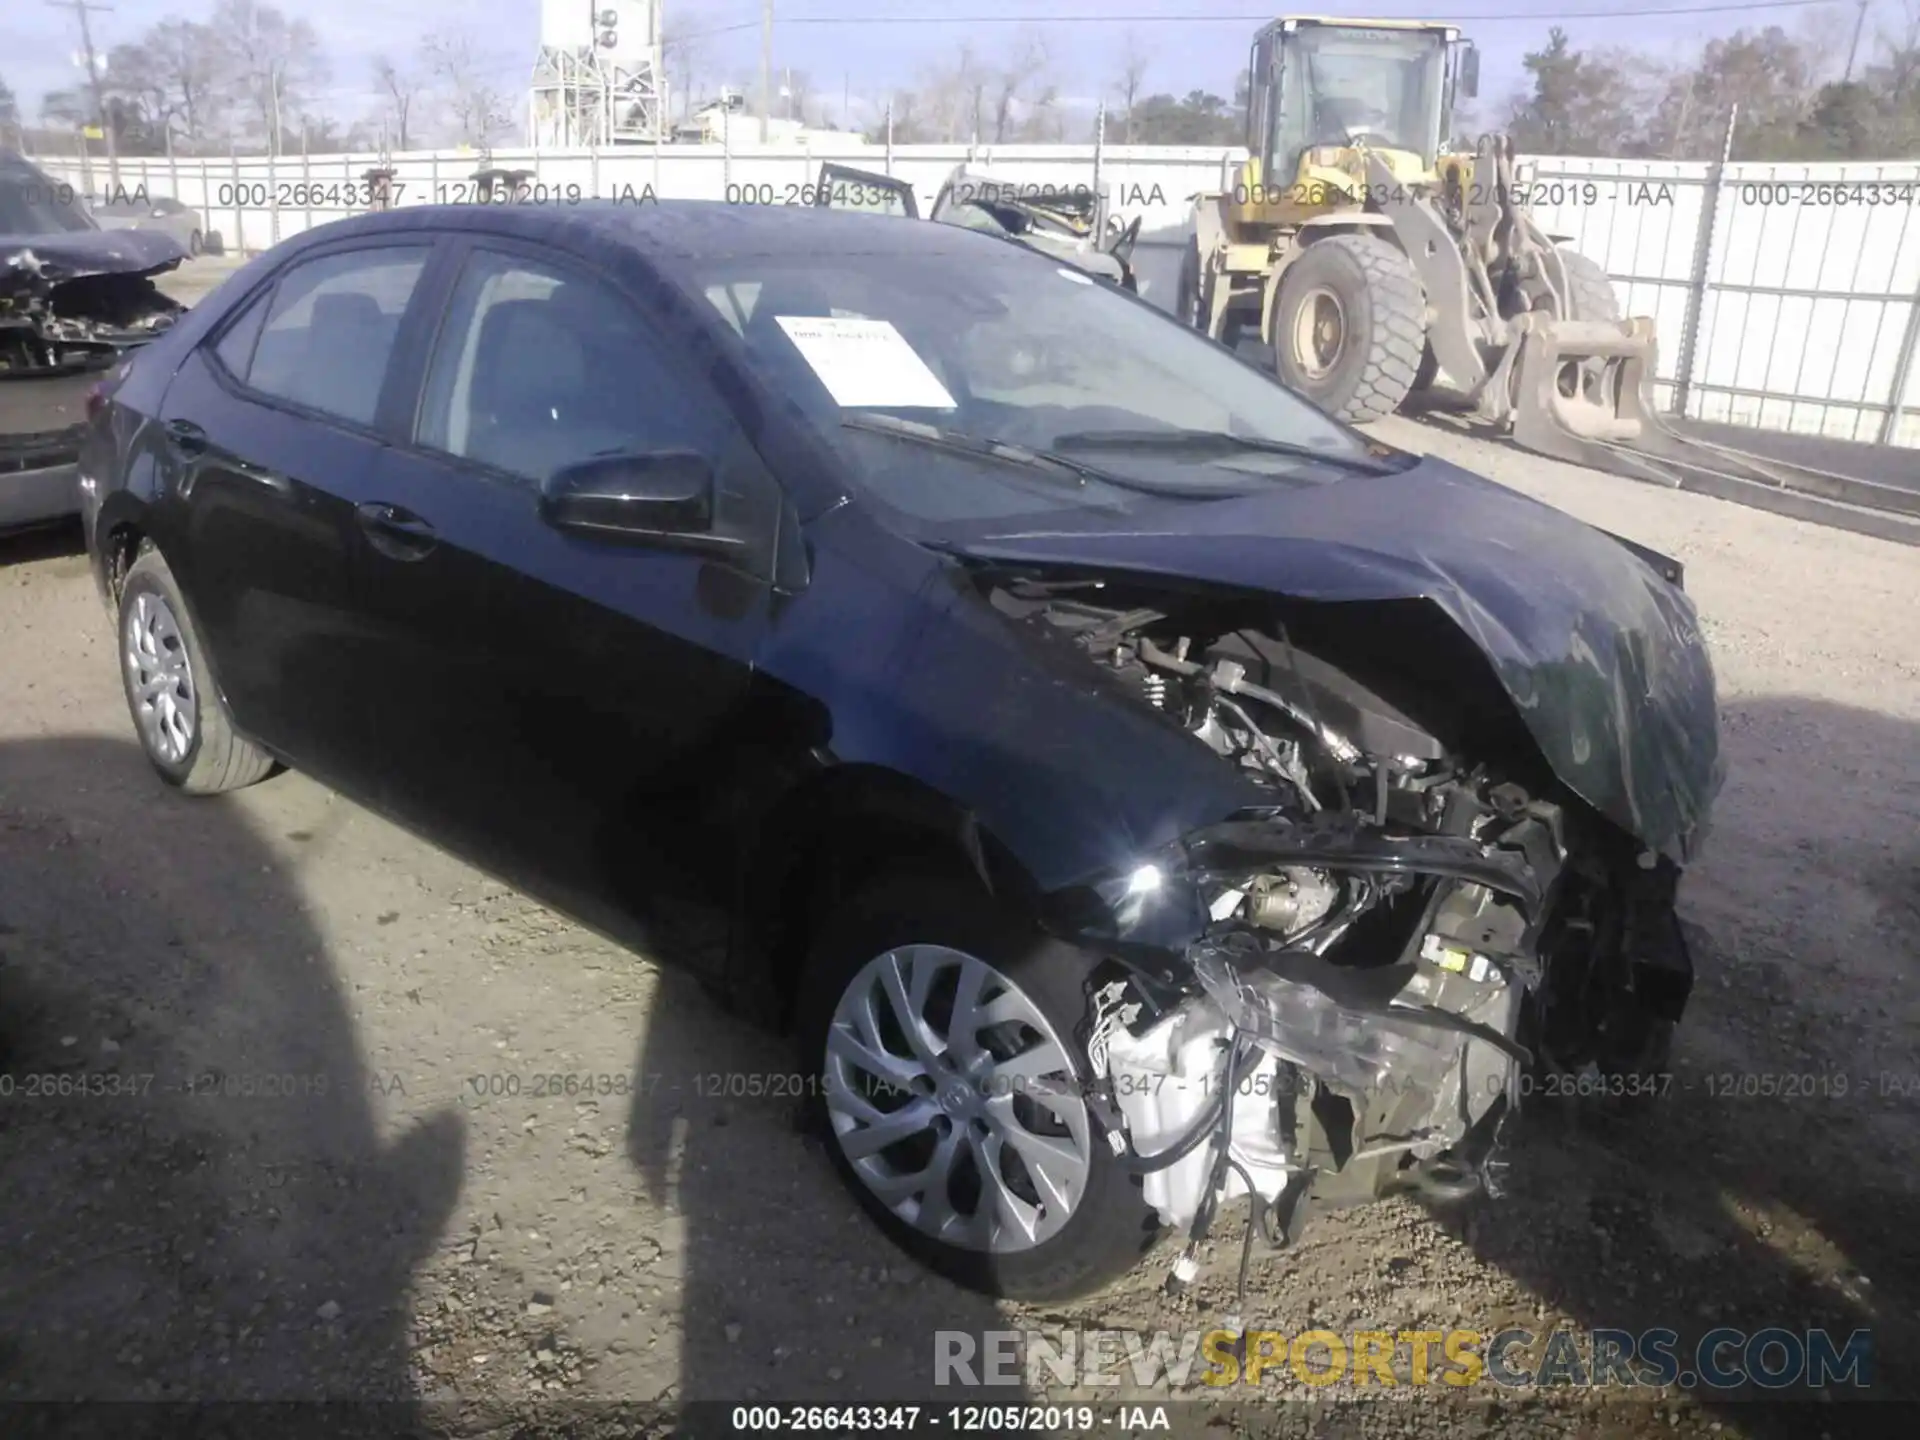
557, 708
274, 435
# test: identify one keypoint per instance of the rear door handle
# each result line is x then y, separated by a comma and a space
396, 533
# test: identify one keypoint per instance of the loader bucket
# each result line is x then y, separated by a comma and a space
1582, 391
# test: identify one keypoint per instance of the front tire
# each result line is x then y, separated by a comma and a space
182, 722
1349, 327
951, 1098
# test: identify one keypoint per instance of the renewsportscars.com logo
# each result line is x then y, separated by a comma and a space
1721, 1359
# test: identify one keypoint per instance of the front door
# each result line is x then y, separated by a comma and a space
551, 704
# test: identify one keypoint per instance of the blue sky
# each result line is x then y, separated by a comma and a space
1188, 47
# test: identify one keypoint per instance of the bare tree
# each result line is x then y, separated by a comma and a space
801, 102
174, 75
910, 126
399, 89
953, 99
1131, 81
68, 109
134, 89
1899, 70
480, 111
272, 63
1019, 83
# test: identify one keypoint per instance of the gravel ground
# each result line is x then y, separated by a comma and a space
389, 1225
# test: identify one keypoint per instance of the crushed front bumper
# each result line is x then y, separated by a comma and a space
1374, 1045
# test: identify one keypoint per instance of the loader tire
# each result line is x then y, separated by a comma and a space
1356, 359
1590, 291
1187, 303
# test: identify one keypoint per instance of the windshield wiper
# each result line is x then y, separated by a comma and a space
1200, 442
1025, 456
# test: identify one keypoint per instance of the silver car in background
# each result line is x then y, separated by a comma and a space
160, 212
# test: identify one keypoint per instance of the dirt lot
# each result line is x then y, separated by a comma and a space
397, 1228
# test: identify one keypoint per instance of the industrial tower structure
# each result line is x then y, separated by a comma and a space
599, 80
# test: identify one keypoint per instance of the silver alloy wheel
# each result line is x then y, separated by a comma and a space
955, 1101
1319, 331
160, 677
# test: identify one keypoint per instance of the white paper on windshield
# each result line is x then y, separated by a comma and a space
866, 362
1076, 277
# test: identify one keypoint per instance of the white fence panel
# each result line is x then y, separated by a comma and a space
1786, 297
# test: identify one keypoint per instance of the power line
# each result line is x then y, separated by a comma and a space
1723, 7
1853, 50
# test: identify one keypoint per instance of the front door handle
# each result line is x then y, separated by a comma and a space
396, 533
186, 437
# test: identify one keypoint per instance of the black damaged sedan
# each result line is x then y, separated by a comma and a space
1128, 788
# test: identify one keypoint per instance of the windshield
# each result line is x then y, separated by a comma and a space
32, 203
1340, 84
995, 349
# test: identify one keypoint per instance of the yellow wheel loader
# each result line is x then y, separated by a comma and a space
1373, 257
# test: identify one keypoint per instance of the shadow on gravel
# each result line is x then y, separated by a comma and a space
789, 1292
196, 1202
1775, 1186
61, 540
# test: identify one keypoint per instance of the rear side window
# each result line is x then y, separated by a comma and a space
235, 349
329, 331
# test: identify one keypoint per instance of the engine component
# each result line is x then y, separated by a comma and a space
1167, 1080
1290, 900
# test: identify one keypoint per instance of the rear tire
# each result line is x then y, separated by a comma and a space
182, 722
195, 244
1589, 291
1349, 327
933, 926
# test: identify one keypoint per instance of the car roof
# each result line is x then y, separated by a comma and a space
673, 232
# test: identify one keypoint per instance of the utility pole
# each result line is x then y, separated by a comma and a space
83, 8
766, 70
1859, 23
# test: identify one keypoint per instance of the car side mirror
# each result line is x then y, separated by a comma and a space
1469, 71
663, 497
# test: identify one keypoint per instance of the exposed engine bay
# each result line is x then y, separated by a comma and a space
1379, 958
57, 315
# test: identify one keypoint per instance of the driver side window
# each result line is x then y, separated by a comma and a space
538, 367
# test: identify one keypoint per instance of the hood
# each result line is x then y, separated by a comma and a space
1601, 656
73, 254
